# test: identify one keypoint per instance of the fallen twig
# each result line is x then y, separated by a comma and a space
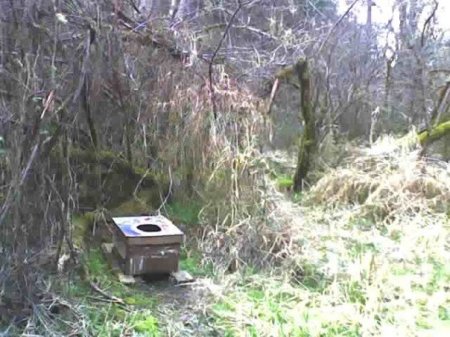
110, 297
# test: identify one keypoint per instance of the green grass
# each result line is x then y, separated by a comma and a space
305, 303
444, 312
190, 261
109, 319
96, 264
361, 223
369, 289
358, 248
339, 330
100, 271
284, 182
146, 325
264, 307
309, 277
355, 292
139, 315
440, 276
185, 212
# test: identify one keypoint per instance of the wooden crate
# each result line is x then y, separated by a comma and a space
147, 244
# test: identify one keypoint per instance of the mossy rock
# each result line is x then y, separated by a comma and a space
145, 202
116, 189
130, 208
107, 179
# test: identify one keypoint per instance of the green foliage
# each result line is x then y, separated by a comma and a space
436, 133
76, 289
111, 321
359, 248
131, 207
284, 182
339, 330
185, 212
298, 197
191, 262
355, 293
423, 323
99, 270
361, 223
440, 276
311, 278
444, 312
82, 225
264, 308
147, 325
396, 235
97, 265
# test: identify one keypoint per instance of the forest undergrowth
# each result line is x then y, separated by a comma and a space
368, 253
113, 108
365, 252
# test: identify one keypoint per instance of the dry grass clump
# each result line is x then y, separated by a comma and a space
387, 181
216, 158
242, 226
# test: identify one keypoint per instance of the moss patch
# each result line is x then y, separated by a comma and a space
185, 212
284, 182
82, 226
191, 262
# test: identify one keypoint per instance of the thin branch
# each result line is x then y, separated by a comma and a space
169, 192
12, 193
336, 24
427, 22
219, 45
272, 95
109, 297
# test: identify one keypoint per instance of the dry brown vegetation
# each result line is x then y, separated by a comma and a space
111, 106
387, 182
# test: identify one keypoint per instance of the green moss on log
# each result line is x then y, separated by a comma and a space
427, 137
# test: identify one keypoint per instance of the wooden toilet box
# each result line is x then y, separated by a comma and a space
147, 244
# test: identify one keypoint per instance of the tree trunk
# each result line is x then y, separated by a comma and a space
369, 22
308, 139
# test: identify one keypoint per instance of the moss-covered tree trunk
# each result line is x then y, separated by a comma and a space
427, 137
308, 139
437, 129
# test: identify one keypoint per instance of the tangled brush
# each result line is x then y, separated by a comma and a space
386, 181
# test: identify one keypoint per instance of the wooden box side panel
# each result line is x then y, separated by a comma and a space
120, 242
156, 240
152, 259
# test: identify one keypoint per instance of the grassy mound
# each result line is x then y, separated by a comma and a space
386, 182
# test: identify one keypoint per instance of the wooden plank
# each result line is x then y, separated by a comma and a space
107, 249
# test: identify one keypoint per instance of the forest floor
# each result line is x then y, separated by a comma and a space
359, 276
